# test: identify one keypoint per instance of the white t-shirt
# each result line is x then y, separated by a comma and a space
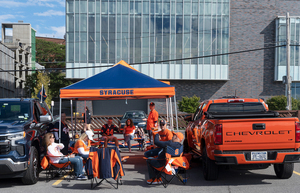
54, 150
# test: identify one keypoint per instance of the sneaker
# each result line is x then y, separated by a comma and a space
155, 181
81, 177
120, 150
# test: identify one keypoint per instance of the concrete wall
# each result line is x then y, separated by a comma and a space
7, 88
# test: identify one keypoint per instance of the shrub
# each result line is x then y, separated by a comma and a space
189, 105
280, 103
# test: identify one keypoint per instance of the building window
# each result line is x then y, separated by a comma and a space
107, 31
280, 56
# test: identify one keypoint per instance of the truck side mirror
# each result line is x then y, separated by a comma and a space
188, 117
207, 115
45, 118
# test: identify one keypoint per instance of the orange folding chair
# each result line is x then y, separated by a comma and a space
54, 169
176, 166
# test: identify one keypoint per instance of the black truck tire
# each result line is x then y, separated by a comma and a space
210, 168
284, 171
32, 173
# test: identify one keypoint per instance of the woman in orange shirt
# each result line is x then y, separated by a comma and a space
128, 132
82, 145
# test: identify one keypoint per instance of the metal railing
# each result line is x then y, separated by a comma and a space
98, 121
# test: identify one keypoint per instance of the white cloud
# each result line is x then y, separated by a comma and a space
51, 13
58, 32
5, 18
44, 3
12, 3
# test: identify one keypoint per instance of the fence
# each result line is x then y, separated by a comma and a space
98, 121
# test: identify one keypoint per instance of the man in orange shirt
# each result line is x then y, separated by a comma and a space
152, 121
165, 134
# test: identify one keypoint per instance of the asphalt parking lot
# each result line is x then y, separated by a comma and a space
136, 172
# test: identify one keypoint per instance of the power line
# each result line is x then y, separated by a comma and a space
156, 56
141, 63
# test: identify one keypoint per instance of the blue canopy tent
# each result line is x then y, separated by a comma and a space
119, 82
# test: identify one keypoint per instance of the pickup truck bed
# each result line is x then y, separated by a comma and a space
243, 132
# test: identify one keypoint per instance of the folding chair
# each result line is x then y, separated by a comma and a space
52, 169
176, 166
108, 159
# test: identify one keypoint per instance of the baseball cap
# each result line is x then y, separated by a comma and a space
179, 135
162, 122
89, 134
152, 104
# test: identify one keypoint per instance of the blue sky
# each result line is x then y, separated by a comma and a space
47, 17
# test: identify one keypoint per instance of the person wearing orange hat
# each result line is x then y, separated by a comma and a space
159, 161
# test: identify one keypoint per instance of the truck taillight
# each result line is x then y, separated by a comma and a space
218, 134
297, 131
235, 101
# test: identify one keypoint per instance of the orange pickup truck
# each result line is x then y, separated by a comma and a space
242, 132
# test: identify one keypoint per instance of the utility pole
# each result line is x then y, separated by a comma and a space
288, 77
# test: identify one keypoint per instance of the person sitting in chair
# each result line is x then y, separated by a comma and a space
82, 145
53, 150
164, 134
160, 161
107, 132
128, 132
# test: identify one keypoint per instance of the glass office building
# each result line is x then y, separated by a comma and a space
103, 32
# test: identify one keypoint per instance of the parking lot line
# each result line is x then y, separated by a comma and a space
59, 180
296, 173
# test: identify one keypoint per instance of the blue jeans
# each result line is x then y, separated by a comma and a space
127, 139
76, 162
84, 156
153, 162
150, 137
152, 152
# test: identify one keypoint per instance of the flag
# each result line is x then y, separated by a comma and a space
42, 94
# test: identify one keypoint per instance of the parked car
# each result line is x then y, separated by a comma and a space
138, 117
243, 133
23, 123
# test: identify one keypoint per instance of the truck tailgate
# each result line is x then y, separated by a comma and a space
259, 133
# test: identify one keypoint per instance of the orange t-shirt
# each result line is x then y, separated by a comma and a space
165, 135
129, 130
152, 119
79, 143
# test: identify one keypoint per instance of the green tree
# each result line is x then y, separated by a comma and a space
50, 55
280, 102
30, 84
43, 79
57, 81
189, 105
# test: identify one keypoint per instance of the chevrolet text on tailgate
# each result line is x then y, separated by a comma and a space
243, 133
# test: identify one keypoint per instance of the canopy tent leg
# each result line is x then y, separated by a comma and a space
71, 102
171, 112
59, 131
167, 110
170, 118
75, 115
85, 125
175, 107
